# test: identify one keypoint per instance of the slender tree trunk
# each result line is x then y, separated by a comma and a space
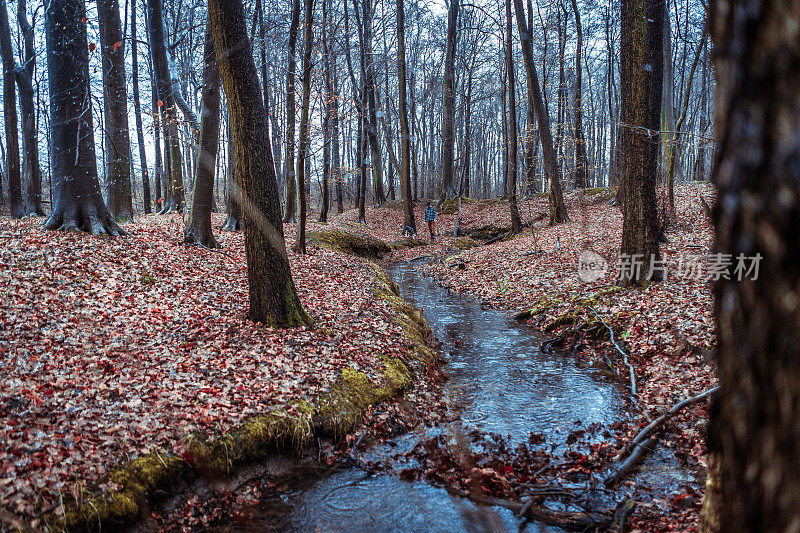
326, 119
199, 229
513, 143
173, 195
233, 221
273, 297
581, 160
558, 211
642, 24
30, 139
78, 203
10, 116
755, 420
302, 151
290, 178
334, 124
405, 135
137, 109
115, 97
449, 103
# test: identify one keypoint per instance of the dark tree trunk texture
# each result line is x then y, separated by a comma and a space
233, 222
405, 134
115, 97
581, 160
302, 151
30, 137
755, 421
290, 179
273, 297
199, 229
641, 79
326, 119
511, 153
137, 109
10, 117
449, 103
78, 202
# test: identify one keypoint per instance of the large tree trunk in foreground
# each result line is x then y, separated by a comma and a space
449, 103
289, 176
173, 194
137, 109
273, 297
302, 152
513, 144
199, 229
405, 134
10, 116
30, 137
755, 423
118, 145
78, 203
641, 80
558, 211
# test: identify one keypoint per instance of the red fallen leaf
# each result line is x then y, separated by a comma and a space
83, 20
92, 46
160, 103
117, 45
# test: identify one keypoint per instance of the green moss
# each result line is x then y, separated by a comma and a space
593, 191
410, 242
450, 207
350, 243
465, 243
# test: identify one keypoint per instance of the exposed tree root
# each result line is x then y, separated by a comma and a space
232, 224
88, 219
203, 238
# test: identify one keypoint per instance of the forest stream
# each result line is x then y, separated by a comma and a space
499, 382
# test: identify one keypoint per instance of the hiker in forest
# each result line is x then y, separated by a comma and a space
430, 217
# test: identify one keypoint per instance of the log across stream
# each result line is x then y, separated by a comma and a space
499, 382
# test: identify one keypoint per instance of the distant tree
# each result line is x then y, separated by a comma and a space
78, 202
326, 113
118, 145
10, 116
581, 159
641, 79
199, 229
755, 420
449, 103
27, 106
302, 152
513, 141
405, 133
234, 210
273, 297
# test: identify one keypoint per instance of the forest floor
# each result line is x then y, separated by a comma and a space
667, 327
112, 349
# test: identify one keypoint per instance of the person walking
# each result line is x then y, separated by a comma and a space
430, 218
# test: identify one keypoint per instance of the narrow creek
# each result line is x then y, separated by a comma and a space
499, 382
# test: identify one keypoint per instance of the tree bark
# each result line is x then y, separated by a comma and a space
290, 179
199, 229
581, 160
754, 429
273, 297
302, 151
78, 202
449, 103
405, 134
326, 119
173, 195
511, 165
115, 98
558, 211
641, 79
233, 222
30, 139
137, 110
10, 116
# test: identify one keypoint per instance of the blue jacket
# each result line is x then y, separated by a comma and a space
430, 214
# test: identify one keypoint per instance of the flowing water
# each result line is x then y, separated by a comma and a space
499, 382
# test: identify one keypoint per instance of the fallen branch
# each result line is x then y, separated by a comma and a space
646, 440
573, 520
498, 238
620, 350
658, 423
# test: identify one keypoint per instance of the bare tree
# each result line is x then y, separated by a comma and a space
10, 116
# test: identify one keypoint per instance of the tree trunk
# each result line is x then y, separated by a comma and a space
30, 139
115, 98
78, 203
511, 165
273, 297
173, 193
449, 103
10, 116
755, 424
405, 134
302, 151
326, 119
581, 160
558, 211
290, 178
641, 77
137, 109
199, 229
233, 222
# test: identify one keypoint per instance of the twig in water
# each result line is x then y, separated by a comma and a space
620, 350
